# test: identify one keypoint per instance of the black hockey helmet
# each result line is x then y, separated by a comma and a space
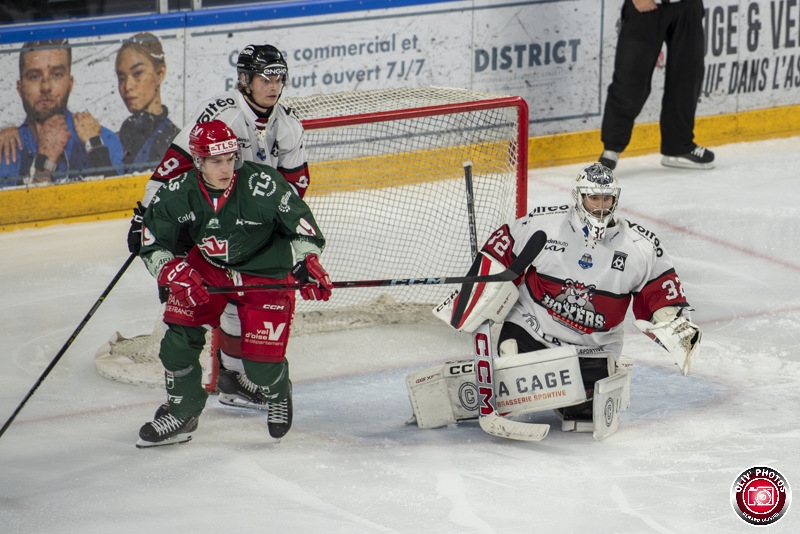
263, 60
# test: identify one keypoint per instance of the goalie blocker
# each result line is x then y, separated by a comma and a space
524, 383
466, 309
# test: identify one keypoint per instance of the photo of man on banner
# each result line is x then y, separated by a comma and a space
53, 144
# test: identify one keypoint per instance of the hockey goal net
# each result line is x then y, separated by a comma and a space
388, 190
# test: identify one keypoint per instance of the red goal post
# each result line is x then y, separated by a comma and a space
515, 102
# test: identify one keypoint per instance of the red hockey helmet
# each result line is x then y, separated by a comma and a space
213, 138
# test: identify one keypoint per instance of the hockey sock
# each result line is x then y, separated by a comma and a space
272, 377
183, 376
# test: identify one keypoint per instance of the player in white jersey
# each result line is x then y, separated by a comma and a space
269, 133
576, 292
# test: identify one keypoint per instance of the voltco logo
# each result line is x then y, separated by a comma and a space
761, 496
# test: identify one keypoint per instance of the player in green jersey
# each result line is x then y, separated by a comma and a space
249, 227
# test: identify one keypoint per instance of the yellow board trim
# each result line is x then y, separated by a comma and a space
582, 147
115, 197
396, 169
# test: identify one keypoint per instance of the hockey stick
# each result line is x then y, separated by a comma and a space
517, 267
491, 422
460, 306
69, 341
473, 232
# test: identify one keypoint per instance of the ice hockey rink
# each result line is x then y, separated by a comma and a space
350, 464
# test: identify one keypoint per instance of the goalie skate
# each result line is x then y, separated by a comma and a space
236, 390
166, 429
575, 421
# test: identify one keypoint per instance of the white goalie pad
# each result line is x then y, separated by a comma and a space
530, 382
607, 404
444, 394
624, 365
676, 334
490, 301
537, 381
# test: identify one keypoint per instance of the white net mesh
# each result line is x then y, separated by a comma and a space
388, 191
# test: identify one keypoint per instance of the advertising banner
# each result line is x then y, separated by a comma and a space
107, 105
86, 108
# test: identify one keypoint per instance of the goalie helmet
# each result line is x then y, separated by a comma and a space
262, 60
595, 180
213, 138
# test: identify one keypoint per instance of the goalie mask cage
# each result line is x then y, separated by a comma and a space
388, 191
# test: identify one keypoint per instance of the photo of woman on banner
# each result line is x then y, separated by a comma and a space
147, 132
54, 145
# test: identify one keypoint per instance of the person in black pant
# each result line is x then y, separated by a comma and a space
645, 26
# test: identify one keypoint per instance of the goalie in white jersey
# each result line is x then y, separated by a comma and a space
268, 133
573, 297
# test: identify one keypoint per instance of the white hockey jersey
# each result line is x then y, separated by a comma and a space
276, 140
576, 292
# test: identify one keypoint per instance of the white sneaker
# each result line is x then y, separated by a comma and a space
609, 159
699, 158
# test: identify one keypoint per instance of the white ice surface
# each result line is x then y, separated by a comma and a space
350, 465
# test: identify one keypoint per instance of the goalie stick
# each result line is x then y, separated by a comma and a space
473, 232
488, 418
491, 422
517, 267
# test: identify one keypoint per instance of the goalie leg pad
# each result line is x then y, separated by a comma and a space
444, 394
623, 365
530, 382
607, 404
537, 381
466, 309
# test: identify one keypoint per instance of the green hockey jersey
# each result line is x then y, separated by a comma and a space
249, 227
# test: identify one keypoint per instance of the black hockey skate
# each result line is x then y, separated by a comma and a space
162, 410
279, 420
235, 389
166, 429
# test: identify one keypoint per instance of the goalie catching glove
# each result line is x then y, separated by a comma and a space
676, 333
467, 308
185, 284
317, 283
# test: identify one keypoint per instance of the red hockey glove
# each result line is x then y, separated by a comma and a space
185, 284
318, 284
